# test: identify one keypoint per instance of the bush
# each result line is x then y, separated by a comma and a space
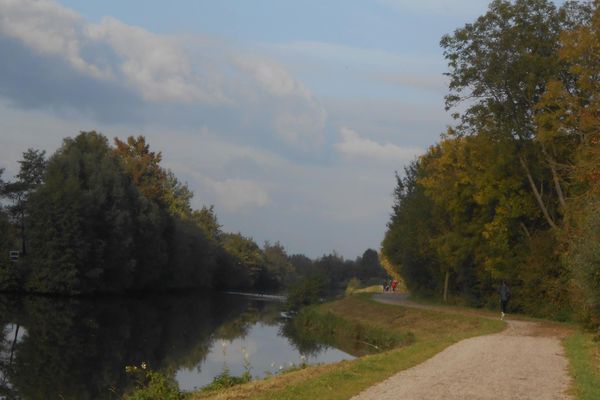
153, 385
306, 291
353, 285
225, 380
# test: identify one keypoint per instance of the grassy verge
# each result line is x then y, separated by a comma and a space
584, 356
353, 337
432, 331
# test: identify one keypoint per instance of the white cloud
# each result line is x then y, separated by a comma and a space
295, 126
299, 118
238, 195
48, 28
154, 64
352, 145
161, 69
272, 77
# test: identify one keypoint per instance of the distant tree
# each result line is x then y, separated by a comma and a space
5, 228
407, 242
368, 266
206, 219
306, 291
245, 264
302, 264
177, 196
278, 270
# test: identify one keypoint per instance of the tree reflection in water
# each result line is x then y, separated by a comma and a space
78, 348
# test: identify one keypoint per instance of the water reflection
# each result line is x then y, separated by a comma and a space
78, 349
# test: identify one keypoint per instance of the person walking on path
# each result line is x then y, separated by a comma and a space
504, 292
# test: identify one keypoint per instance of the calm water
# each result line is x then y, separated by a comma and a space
78, 349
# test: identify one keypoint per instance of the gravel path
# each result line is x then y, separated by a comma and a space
525, 361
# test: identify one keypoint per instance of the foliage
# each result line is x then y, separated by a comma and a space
278, 270
30, 176
226, 380
308, 290
510, 192
152, 385
351, 336
101, 218
353, 285
206, 219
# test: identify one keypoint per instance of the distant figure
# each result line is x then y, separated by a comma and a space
394, 284
504, 292
386, 285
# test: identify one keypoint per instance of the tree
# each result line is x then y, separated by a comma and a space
206, 219
569, 118
369, 267
246, 261
143, 166
278, 270
29, 178
406, 243
177, 196
82, 221
501, 65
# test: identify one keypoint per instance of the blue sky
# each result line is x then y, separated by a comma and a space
290, 117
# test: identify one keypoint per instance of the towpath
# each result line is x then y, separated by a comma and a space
525, 361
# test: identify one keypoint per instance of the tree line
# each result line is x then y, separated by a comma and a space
99, 218
512, 191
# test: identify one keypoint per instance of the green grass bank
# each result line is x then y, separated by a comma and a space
415, 335
584, 358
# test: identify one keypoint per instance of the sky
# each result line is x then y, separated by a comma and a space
290, 117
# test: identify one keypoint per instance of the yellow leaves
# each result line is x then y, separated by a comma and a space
390, 268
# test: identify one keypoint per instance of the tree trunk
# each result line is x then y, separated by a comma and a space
555, 178
23, 247
446, 279
14, 344
537, 195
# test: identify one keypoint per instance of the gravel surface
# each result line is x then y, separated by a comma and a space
525, 361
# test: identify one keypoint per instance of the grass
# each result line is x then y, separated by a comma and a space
433, 331
356, 338
584, 356
369, 289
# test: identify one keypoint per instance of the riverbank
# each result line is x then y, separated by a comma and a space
433, 331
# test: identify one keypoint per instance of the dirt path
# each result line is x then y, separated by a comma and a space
525, 361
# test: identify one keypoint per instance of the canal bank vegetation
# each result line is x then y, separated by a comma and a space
95, 218
414, 335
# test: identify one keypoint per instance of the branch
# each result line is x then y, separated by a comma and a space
558, 188
537, 195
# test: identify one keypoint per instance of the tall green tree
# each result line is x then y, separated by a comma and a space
82, 221
29, 178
